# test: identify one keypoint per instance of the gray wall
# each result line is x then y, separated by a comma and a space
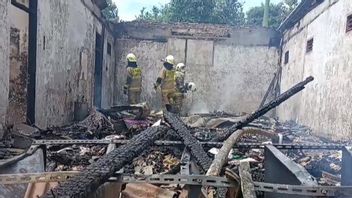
232, 67
66, 60
325, 105
4, 58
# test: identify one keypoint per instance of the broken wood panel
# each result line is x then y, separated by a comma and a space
247, 185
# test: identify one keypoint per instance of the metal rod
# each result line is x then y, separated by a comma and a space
180, 143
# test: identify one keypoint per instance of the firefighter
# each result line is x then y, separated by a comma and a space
180, 87
133, 86
166, 81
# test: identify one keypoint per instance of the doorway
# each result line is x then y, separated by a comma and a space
23, 45
98, 74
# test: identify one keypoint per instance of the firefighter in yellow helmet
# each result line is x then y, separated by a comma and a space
133, 86
180, 87
166, 81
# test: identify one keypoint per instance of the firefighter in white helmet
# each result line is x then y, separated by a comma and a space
133, 86
166, 81
180, 87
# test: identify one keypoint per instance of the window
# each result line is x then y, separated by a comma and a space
349, 23
109, 48
309, 45
287, 56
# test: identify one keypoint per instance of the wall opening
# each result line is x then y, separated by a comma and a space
98, 75
287, 57
21, 106
109, 49
349, 23
309, 47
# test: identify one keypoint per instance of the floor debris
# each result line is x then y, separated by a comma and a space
124, 124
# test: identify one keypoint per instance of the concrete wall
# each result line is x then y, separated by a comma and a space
232, 67
149, 55
65, 59
325, 105
4, 57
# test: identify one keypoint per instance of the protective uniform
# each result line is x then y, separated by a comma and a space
166, 81
180, 87
133, 87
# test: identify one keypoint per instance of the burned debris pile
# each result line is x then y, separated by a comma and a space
164, 144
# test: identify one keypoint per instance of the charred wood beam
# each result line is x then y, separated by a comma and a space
83, 184
263, 110
190, 141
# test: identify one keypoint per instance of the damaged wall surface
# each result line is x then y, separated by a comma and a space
65, 59
4, 57
232, 67
326, 104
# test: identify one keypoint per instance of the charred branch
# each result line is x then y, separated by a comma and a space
190, 142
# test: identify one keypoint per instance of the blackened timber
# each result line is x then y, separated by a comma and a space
86, 182
190, 141
263, 110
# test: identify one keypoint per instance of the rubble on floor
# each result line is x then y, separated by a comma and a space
124, 123
104, 124
13, 144
73, 158
157, 160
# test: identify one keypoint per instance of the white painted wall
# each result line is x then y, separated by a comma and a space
66, 30
149, 55
231, 75
325, 105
